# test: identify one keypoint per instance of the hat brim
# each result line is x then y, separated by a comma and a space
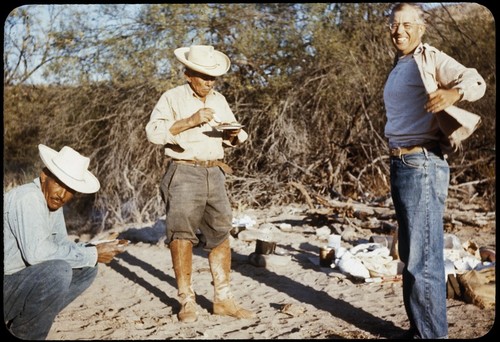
223, 62
88, 185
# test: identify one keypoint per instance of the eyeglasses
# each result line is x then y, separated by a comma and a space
407, 26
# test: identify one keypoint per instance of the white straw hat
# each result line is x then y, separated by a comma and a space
70, 167
204, 59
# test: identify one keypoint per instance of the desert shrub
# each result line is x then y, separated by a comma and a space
312, 107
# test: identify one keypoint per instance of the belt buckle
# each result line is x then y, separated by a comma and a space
203, 163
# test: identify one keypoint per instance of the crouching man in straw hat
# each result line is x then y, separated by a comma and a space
44, 270
194, 123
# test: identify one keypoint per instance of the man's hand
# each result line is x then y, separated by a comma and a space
202, 116
106, 251
441, 99
231, 135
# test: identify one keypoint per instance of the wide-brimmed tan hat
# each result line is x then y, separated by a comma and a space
204, 59
70, 167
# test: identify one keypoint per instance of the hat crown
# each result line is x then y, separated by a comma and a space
204, 59
203, 55
71, 163
70, 167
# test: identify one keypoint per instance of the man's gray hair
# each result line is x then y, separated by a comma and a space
402, 5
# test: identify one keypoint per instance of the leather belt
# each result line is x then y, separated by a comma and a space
401, 151
205, 163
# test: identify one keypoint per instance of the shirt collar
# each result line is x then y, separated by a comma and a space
419, 49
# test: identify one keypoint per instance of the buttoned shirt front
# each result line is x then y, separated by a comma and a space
202, 142
34, 234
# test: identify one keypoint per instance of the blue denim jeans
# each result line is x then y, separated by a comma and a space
419, 187
35, 295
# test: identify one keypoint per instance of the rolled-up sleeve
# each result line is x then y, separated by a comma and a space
242, 136
160, 122
472, 83
453, 74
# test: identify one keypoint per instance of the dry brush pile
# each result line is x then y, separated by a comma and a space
315, 131
287, 157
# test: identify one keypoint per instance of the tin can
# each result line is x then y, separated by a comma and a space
326, 256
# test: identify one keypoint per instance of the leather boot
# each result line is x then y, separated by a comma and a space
182, 260
219, 259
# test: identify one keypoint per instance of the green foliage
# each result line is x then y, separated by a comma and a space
306, 81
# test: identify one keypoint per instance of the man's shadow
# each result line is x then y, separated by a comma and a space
303, 293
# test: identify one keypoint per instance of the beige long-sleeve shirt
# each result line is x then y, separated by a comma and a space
202, 142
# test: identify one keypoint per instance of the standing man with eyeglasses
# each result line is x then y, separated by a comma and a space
423, 126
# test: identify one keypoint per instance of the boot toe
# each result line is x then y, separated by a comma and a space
229, 308
188, 313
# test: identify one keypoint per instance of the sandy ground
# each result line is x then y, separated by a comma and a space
134, 297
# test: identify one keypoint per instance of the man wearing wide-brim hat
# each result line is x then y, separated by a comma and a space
44, 270
194, 123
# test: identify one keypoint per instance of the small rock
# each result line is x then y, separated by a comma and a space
292, 309
268, 260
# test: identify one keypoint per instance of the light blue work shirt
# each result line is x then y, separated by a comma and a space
33, 234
